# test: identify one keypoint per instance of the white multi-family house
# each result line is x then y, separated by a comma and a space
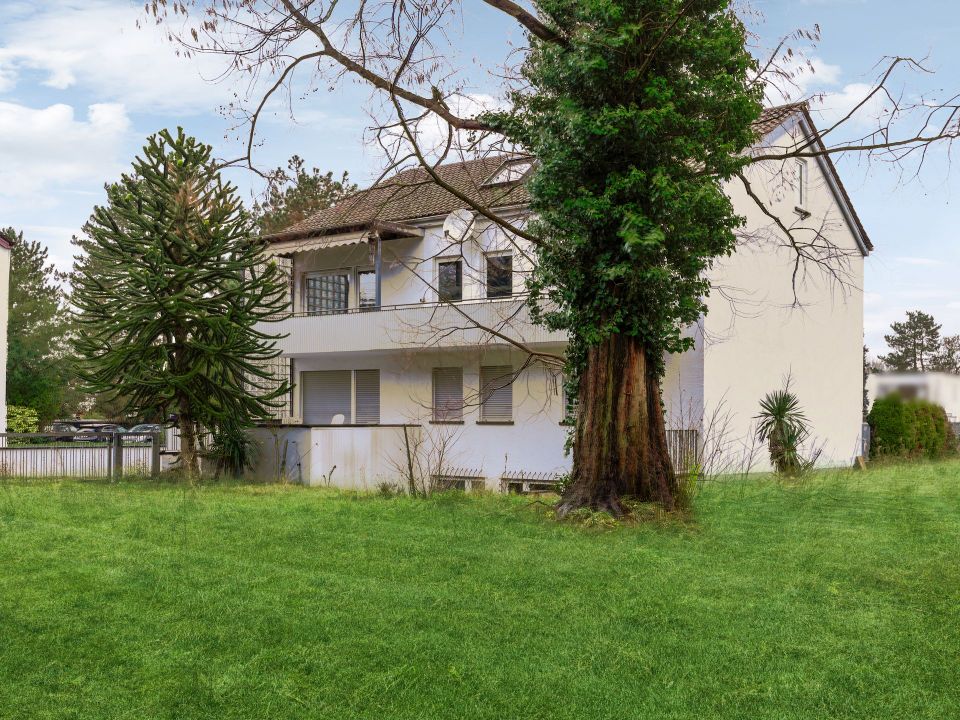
940, 388
5, 247
410, 342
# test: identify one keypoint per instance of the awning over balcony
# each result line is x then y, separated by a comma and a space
287, 243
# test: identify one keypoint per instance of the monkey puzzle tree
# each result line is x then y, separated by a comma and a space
169, 293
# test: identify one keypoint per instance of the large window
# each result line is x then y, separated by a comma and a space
366, 288
448, 394
496, 393
327, 292
341, 397
499, 275
450, 280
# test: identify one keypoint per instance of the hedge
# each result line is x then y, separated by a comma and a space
909, 428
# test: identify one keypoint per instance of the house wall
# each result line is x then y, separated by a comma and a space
4, 314
754, 337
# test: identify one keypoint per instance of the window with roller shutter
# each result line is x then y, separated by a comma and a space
496, 393
367, 389
351, 397
448, 394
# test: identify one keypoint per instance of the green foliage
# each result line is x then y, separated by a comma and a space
948, 359
296, 195
783, 425
39, 324
637, 121
22, 419
915, 344
911, 428
232, 450
169, 294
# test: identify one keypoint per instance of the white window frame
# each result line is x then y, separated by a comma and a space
357, 271
803, 183
353, 396
484, 409
434, 417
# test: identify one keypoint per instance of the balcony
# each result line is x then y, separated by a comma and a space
398, 327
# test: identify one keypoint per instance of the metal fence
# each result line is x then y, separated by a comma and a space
79, 455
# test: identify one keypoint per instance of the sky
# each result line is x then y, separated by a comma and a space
82, 86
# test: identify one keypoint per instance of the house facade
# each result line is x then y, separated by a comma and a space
940, 388
412, 352
6, 246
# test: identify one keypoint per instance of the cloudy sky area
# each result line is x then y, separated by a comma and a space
81, 87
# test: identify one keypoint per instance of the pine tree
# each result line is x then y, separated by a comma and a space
914, 344
297, 194
170, 293
948, 360
39, 325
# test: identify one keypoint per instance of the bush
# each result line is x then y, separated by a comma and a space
22, 419
909, 428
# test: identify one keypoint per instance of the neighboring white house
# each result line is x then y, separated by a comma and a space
5, 246
936, 387
372, 348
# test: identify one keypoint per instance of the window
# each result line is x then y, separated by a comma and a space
499, 275
496, 393
341, 397
448, 394
450, 280
510, 171
366, 288
801, 183
327, 292
367, 390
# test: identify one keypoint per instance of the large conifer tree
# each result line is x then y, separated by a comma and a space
169, 295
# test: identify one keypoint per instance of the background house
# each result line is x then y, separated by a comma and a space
5, 246
408, 311
936, 387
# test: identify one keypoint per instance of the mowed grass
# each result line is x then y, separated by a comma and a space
838, 597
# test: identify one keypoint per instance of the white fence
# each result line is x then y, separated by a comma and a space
76, 455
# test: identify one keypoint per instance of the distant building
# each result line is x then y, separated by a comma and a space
5, 246
940, 388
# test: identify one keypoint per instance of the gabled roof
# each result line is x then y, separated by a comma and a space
413, 194
5, 242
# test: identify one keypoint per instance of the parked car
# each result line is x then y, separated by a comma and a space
142, 433
60, 427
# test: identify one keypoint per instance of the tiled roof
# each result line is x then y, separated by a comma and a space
5, 242
413, 194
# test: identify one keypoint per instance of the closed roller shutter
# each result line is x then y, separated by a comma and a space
326, 394
496, 393
448, 394
368, 397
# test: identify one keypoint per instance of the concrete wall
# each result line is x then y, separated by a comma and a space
755, 337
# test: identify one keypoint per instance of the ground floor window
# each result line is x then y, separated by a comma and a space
448, 394
341, 397
496, 393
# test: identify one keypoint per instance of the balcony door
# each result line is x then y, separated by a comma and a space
327, 292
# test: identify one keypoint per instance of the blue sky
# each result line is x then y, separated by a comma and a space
81, 86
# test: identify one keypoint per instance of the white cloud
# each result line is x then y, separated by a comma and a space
97, 47
49, 147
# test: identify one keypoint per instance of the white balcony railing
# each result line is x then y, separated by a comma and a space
467, 323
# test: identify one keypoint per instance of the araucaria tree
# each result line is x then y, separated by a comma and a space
169, 293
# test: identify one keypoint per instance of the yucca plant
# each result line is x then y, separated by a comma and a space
783, 426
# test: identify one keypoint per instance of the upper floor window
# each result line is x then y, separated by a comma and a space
499, 275
450, 280
801, 195
366, 288
327, 292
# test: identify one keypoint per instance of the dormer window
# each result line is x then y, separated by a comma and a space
510, 171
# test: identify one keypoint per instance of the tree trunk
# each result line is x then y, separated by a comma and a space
189, 457
620, 445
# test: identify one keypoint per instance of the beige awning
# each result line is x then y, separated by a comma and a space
307, 244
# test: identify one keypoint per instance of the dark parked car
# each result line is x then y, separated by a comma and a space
144, 432
67, 428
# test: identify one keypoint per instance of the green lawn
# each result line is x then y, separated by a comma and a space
836, 598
